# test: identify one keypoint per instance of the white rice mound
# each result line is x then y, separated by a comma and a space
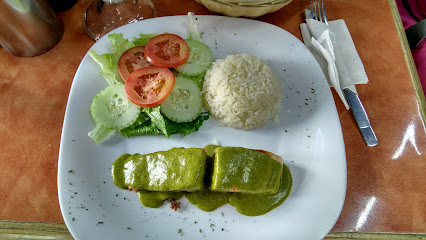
242, 91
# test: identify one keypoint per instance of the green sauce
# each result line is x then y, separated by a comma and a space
118, 170
199, 176
246, 204
258, 204
156, 199
208, 200
237, 169
210, 149
177, 169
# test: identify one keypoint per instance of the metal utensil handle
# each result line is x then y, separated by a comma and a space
361, 118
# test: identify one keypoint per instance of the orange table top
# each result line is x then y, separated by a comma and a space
385, 186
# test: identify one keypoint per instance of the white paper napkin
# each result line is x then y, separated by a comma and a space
333, 48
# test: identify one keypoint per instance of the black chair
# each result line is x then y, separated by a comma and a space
416, 33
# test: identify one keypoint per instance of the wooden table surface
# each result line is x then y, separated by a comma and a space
386, 190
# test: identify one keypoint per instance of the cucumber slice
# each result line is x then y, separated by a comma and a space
111, 108
199, 60
184, 104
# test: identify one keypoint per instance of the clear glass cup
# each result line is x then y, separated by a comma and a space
103, 16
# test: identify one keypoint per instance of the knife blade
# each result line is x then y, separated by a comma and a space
361, 117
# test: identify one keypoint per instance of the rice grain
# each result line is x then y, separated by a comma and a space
242, 91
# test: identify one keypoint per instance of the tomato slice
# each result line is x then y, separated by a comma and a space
131, 60
166, 50
149, 86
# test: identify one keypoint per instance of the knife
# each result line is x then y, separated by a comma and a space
361, 117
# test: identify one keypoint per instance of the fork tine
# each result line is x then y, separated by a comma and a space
315, 9
319, 11
323, 11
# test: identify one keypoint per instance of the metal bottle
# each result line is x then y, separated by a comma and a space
28, 27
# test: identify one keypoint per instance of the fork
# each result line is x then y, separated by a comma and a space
320, 15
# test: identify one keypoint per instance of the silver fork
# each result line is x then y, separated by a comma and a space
358, 111
319, 15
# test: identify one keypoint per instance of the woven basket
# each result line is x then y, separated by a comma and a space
244, 8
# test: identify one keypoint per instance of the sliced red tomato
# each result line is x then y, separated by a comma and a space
131, 60
149, 86
166, 50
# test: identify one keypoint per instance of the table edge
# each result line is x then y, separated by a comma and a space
409, 59
47, 230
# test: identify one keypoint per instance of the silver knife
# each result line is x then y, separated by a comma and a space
361, 117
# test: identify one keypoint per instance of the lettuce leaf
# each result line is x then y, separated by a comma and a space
157, 119
145, 128
104, 61
109, 61
186, 128
152, 122
193, 33
143, 39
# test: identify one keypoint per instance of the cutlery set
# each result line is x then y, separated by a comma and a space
318, 13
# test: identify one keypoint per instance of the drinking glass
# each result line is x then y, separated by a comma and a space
102, 16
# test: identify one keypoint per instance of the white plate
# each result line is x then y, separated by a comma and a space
308, 137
